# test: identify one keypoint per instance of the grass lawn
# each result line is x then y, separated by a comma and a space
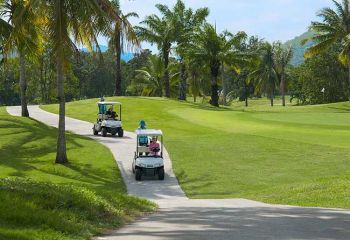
293, 155
43, 200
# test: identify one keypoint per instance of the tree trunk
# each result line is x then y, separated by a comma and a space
283, 90
166, 73
349, 75
246, 101
183, 82
224, 85
61, 154
118, 75
23, 85
271, 100
214, 84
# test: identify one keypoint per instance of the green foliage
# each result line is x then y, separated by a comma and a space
318, 72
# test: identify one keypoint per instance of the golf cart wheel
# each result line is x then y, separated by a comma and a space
104, 132
95, 132
161, 173
138, 174
120, 132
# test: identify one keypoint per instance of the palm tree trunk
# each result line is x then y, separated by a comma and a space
118, 75
224, 85
283, 90
23, 85
214, 86
61, 154
246, 94
349, 75
183, 82
271, 99
166, 73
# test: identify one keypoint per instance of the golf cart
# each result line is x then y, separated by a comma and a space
148, 159
108, 121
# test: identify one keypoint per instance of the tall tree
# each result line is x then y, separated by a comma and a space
67, 22
22, 37
149, 78
213, 50
335, 27
265, 75
159, 31
281, 58
185, 21
123, 35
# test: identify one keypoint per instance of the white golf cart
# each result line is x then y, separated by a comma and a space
148, 160
108, 121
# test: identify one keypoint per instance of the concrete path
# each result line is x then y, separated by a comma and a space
182, 218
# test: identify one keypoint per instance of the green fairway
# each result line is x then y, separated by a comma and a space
292, 155
43, 200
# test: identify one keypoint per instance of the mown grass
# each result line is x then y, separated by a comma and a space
293, 155
43, 200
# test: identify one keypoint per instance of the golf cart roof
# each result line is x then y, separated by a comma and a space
109, 103
148, 132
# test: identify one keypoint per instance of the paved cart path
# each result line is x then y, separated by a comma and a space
182, 218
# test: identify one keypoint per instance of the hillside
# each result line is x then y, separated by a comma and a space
125, 56
298, 48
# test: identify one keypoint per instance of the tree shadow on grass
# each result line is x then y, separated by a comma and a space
25, 149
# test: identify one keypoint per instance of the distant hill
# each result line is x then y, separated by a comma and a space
125, 56
299, 50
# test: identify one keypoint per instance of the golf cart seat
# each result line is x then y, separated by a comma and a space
143, 149
102, 116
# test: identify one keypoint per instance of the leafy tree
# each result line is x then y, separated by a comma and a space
319, 72
334, 28
149, 79
123, 35
213, 50
21, 34
265, 76
185, 21
281, 58
159, 31
149, 82
67, 22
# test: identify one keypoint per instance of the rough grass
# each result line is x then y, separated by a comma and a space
43, 200
293, 155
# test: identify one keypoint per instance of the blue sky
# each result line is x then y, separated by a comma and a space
270, 19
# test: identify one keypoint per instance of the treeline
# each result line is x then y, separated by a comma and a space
194, 60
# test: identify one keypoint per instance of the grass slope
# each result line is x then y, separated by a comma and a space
292, 155
43, 200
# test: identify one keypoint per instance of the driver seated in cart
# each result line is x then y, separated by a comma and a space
154, 147
111, 114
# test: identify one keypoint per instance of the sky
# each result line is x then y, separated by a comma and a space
269, 19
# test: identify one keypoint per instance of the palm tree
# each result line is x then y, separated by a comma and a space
335, 27
149, 78
265, 75
68, 22
185, 21
159, 31
281, 58
149, 82
214, 50
123, 35
21, 33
